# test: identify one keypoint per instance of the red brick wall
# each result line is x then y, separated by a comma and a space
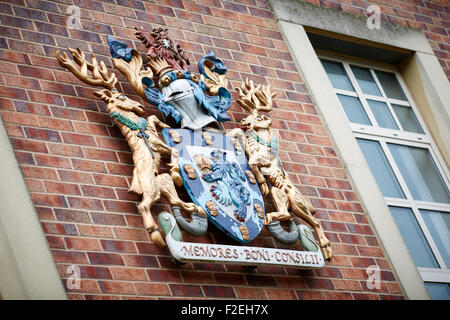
78, 167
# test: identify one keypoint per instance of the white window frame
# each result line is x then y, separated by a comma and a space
384, 136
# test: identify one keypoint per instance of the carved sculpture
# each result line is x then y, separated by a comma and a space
261, 147
226, 183
140, 133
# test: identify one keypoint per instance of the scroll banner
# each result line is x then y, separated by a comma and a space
242, 255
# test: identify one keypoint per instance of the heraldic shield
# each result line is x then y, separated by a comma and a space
217, 177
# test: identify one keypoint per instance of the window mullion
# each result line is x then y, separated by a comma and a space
396, 170
428, 236
380, 87
434, 275
360, 94
345, 92
434, 206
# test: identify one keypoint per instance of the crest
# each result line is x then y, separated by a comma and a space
227, 176
217, 177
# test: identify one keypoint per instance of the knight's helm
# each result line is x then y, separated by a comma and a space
180, 94
177, 90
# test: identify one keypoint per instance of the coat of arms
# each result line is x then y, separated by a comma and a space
225, 174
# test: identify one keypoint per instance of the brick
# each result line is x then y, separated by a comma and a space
197, 277
76, 257
117, 287
250, 293
99, 192
120, 206
52, 161
78, 139
42, 97
105, 258
253, 49
186, 290
63, 188
95, 231
132, 234
218, 291
148, 248
310, 295
83, 244
152, 289
97, 154
68, 113
85, 203
264, 281
164, 275
71, 215
280, 294
132, 274
95, 272
109, 180
140, 261
229, 279
65, 150
118, 246
55, 242
14, 93
87, 165
48, 200
74, 176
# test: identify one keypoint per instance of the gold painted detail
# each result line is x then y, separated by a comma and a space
208, 138
215, 81
212, 208
203, 163
236, 144
259, 210
251, 176
245, 233
175, 135
190, 171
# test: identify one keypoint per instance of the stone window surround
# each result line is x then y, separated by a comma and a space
425, 79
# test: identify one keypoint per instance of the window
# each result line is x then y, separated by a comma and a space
404, 161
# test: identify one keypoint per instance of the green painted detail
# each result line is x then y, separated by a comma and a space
307, 238
273, 144
166, 225
141, 124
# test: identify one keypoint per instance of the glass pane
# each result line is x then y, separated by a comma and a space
390, 85
366, 81
380, 168
439, 225
438, 291
354, 109
337, 75
415, 240
381, 112
407, 118
420, 173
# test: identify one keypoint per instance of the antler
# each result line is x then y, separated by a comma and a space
255, 99
132, 71
99, 75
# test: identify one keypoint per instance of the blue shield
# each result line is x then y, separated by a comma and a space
217, 177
